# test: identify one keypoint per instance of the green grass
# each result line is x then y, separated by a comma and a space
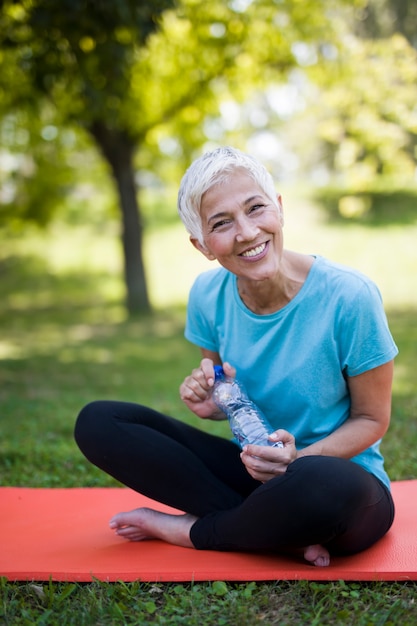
217, 603
65, 340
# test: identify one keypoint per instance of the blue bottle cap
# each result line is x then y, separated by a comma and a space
218, 372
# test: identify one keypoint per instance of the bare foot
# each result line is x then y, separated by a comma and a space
317, 555
143, 523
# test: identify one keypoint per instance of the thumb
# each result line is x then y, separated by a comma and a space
229, 369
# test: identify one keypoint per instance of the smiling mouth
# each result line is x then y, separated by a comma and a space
254, 251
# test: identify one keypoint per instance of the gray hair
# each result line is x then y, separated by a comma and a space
214, 168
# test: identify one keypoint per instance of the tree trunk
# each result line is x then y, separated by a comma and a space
118, 150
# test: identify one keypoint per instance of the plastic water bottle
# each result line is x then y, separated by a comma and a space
247, 422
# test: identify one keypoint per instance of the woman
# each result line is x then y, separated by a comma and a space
310, 341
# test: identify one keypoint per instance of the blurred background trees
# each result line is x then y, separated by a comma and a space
99, 101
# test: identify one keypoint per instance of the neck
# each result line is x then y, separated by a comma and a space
265, 297
272, 294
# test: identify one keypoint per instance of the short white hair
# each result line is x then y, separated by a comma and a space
214, 168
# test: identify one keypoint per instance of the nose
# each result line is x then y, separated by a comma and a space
246, 229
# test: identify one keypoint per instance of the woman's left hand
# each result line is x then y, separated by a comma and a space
266, 462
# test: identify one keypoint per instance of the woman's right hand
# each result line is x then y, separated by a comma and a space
197, 389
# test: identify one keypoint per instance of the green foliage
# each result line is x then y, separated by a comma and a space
48, 170
372, 206
147, 84
159, 72
135, 74
80, 51
365, 116
222, 52
153, 72
382, 18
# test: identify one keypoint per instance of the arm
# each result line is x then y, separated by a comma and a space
196, 390
369, 417
368, 421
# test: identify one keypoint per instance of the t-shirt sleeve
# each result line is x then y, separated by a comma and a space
199, 325
366, 341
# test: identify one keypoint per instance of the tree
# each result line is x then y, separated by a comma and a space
357, 128
131, 72
380, 19
79, 54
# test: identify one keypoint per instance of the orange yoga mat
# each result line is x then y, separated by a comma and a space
63, 534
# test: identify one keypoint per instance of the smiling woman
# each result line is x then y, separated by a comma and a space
309, 339
240, 224
242, 228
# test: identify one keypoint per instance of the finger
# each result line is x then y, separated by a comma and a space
204, 373
193, 392
261, 467
255, 463
270, 454
207, 369
282, 435
229, 369
195, 387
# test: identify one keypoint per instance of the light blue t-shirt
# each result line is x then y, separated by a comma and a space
293, 362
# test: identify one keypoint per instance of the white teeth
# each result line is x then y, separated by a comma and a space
255, 251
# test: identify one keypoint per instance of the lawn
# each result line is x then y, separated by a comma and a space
66, 340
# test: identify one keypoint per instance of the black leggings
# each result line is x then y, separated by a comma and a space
319, 499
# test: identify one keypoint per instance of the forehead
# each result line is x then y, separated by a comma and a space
238, 188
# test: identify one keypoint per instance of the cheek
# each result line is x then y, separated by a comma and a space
274, 219
220, 245
274, 226
224, 249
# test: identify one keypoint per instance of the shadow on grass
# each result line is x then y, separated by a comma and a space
42, 391
64, 344
28, 288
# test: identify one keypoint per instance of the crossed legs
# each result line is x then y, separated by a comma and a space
321, 504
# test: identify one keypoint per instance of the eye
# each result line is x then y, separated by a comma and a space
256, 207
219, 224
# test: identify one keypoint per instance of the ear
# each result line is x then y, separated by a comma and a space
280, 208
202, 248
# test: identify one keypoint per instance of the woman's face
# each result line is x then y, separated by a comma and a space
242, 228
